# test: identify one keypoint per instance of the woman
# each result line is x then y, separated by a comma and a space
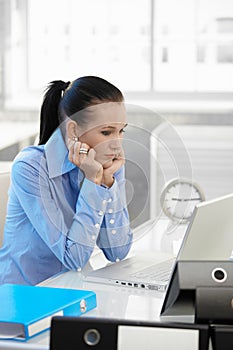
68, 193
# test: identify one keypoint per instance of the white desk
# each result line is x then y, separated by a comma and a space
113, 301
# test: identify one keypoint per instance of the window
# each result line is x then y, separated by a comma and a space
193, 48
148, 46
106, 38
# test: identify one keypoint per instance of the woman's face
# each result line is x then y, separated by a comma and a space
104, 130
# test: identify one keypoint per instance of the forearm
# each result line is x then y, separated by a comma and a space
115, 237
115, 240
107, 223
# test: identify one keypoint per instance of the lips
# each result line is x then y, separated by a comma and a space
110, 155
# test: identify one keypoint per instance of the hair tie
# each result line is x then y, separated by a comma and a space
66, 85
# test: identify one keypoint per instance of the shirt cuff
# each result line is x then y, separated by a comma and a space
97, 197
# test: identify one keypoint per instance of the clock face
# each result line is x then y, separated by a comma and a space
179, 198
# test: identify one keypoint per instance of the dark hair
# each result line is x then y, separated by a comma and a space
65, 99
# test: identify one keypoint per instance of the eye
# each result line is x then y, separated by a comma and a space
106, 132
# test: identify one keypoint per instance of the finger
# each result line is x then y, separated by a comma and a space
76, 149
77, 146
91, 154
71, 144
121, 154
84, 148
119, 160
85, 145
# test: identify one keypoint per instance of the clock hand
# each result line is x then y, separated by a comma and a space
185, 199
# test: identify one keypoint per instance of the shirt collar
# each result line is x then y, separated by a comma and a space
56, 154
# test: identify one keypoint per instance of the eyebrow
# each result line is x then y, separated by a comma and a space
112, 127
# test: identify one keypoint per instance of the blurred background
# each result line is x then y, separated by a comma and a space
173, 59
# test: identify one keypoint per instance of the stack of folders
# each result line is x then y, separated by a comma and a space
27, 310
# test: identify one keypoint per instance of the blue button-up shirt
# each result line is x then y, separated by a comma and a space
56, 216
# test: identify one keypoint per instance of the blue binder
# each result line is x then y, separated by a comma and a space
27, 310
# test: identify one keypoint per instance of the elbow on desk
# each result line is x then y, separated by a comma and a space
117, 253
76, 255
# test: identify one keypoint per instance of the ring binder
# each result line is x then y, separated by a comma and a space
100, 333
214, 305
27, 310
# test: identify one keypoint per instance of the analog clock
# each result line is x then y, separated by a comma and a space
179, 198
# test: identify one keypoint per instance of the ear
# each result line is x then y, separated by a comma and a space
71, 129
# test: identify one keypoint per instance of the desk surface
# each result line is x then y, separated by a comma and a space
116, 302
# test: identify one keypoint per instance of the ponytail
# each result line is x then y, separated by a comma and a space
49, 114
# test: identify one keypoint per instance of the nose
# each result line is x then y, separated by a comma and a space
116, 144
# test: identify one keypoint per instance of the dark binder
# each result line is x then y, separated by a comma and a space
214, 305
84, 333
221, 337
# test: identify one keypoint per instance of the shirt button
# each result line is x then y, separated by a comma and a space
113, 232
93, 237
117, 259
97, 225
100, 212
112, 221
110, 211
110, 200
79, 269
104, 201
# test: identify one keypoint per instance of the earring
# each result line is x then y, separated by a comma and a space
75, 139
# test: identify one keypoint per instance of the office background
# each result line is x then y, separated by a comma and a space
172, 60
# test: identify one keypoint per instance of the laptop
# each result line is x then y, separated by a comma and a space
208, 237
138, 271
142, 270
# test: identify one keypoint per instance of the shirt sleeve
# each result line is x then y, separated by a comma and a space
109, 219
71, 243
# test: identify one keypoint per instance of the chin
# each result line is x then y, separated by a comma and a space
107, 164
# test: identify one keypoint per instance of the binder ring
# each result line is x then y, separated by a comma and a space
83, 305
92, 337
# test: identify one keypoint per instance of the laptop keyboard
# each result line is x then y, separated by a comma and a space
158, 272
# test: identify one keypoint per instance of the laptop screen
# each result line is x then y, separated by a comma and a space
210, 235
